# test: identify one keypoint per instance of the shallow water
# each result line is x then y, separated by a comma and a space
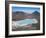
24, 22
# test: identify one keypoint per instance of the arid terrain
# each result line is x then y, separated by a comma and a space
20, 15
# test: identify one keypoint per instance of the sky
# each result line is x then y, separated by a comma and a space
26, 9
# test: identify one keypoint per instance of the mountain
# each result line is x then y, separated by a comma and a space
18, 15
18, 12
36, 13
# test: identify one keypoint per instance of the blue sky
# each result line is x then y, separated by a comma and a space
25, 9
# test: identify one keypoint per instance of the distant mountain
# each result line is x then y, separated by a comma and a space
18, 15
36, 15
36, 12
18, 12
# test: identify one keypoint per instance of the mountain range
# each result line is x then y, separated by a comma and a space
21, 12
18, 15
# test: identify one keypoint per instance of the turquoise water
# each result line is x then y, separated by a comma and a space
24, 22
